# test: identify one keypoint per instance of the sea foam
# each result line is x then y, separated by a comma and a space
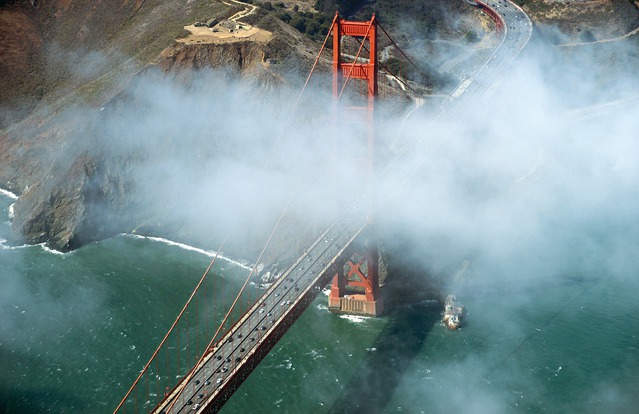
50, 250
8, 194
193, 249
5, 246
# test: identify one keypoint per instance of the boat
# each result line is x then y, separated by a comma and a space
453, 313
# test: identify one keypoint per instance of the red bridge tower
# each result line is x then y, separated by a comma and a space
355, 287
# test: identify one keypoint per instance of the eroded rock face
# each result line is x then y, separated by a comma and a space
236, 57
78, 181
65, 196
52, 211
76, 187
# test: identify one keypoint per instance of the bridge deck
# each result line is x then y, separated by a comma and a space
254, 335
224, 368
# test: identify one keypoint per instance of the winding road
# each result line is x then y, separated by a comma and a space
517, 30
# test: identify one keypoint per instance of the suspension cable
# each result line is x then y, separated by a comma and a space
399, 79
308, 78
171, 329
228, 313
206, 272
398, 48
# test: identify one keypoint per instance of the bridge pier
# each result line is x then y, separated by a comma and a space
355, 286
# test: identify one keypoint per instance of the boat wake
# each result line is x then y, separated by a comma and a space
355, 318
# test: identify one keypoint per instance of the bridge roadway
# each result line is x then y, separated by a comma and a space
464, 98
517, 32
258, 330
241, 349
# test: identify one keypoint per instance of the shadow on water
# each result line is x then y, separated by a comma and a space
412, 310
39, 400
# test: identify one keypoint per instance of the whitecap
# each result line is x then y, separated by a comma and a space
315, 354
355, 318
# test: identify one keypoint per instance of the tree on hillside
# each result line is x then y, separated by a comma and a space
299, 23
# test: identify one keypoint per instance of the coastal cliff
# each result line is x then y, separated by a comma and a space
70, 145
75, 184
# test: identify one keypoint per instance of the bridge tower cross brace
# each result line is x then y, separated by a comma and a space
355, 286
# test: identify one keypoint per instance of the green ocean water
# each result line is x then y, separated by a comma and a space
76, 329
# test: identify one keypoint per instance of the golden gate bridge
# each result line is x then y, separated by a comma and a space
185, 374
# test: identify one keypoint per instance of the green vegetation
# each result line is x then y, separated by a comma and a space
344, 7
397, 67
471, 36
587, 36
406, 70
314, 25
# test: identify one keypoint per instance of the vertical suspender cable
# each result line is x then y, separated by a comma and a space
206, 272
221, 326
237, 298
157, 382
308, 78
197, 327
178, 352
187, 347
147, 388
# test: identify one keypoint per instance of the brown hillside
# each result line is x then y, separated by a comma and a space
70, 71
569, 21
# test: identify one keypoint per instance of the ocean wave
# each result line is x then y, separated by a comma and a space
193, 249
5, 246
50, 250
8, 194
